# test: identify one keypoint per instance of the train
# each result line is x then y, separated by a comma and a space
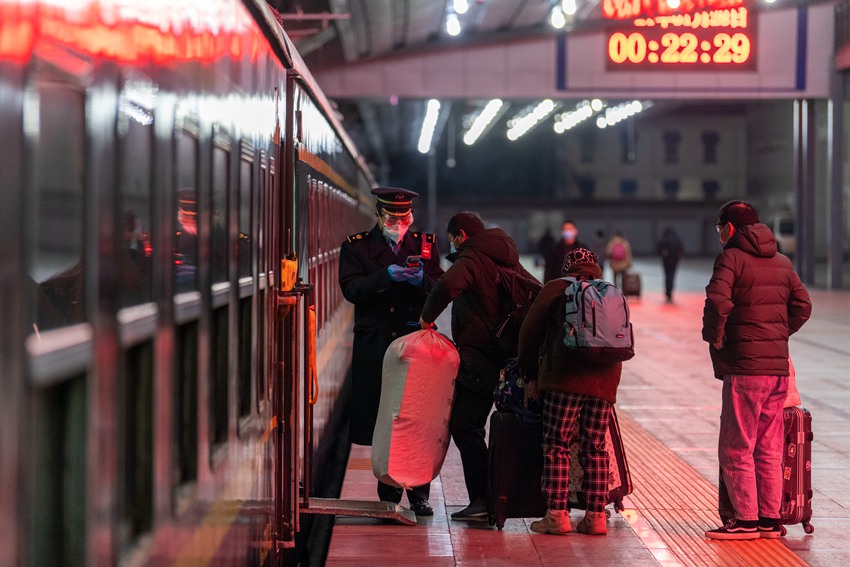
175, 346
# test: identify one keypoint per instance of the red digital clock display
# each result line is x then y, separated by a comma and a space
707, 40
680, 49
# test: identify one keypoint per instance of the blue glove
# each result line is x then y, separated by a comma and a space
398, 273
417, 277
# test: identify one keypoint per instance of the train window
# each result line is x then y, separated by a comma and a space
186, 404
56, 220
186, 239
57, 533
218, 376
133, 262
218, 250
136, 446
246, 189
246, 346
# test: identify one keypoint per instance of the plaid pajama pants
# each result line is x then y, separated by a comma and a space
560, 411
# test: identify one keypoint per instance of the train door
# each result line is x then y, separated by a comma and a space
58, 373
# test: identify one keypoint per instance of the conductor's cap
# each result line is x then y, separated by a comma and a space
394, 200
187, 201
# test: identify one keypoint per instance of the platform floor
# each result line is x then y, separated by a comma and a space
669, 406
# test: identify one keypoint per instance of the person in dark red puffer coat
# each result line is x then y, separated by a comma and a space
754, 302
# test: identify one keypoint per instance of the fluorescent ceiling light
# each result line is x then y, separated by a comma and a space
618, 113
522, 124
453, 25
428, 125
557, 18
583, 110
482, 121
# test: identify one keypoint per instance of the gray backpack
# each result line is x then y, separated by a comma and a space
597, 321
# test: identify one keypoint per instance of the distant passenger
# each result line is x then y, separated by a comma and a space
754, 302
671, 250
388, 297
545, 245
598, 247
569, 241
470, 286
619, 253
572, 390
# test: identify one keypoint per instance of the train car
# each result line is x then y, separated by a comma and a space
173, 348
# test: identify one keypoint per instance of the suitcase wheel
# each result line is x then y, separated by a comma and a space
808, 528
607, 513
783, 531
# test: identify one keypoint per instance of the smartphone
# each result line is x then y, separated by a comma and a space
413, 261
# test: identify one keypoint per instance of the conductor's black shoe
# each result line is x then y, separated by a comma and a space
476, 511
422, 508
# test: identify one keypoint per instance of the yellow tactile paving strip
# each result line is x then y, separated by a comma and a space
679, 506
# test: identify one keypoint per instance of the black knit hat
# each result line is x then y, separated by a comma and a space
579, 256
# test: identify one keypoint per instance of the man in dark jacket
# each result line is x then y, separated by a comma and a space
470, 285
754, 302
388, 298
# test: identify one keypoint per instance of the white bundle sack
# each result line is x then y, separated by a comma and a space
411, 434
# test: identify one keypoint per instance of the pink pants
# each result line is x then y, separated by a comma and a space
750, 445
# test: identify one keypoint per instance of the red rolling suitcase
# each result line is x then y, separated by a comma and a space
797, 469
796, 473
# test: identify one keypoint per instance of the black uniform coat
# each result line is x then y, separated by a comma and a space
383, 311
470, 286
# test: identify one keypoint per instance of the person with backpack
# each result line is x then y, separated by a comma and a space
576, 379
619, 253
481, 259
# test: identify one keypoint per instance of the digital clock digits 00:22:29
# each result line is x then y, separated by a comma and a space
686, 49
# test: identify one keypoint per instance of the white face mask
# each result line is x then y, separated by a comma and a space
395, 233
568, 234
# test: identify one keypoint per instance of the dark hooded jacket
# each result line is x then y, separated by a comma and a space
543, 355
754, 302
470, 285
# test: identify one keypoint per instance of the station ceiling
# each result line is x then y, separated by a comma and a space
330, 33
333, 33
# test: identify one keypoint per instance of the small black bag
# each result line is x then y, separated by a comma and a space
516, 294
509, 393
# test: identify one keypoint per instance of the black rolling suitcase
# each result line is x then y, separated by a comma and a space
515, 467
796, 473
631, 284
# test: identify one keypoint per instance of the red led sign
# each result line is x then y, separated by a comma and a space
710, 38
